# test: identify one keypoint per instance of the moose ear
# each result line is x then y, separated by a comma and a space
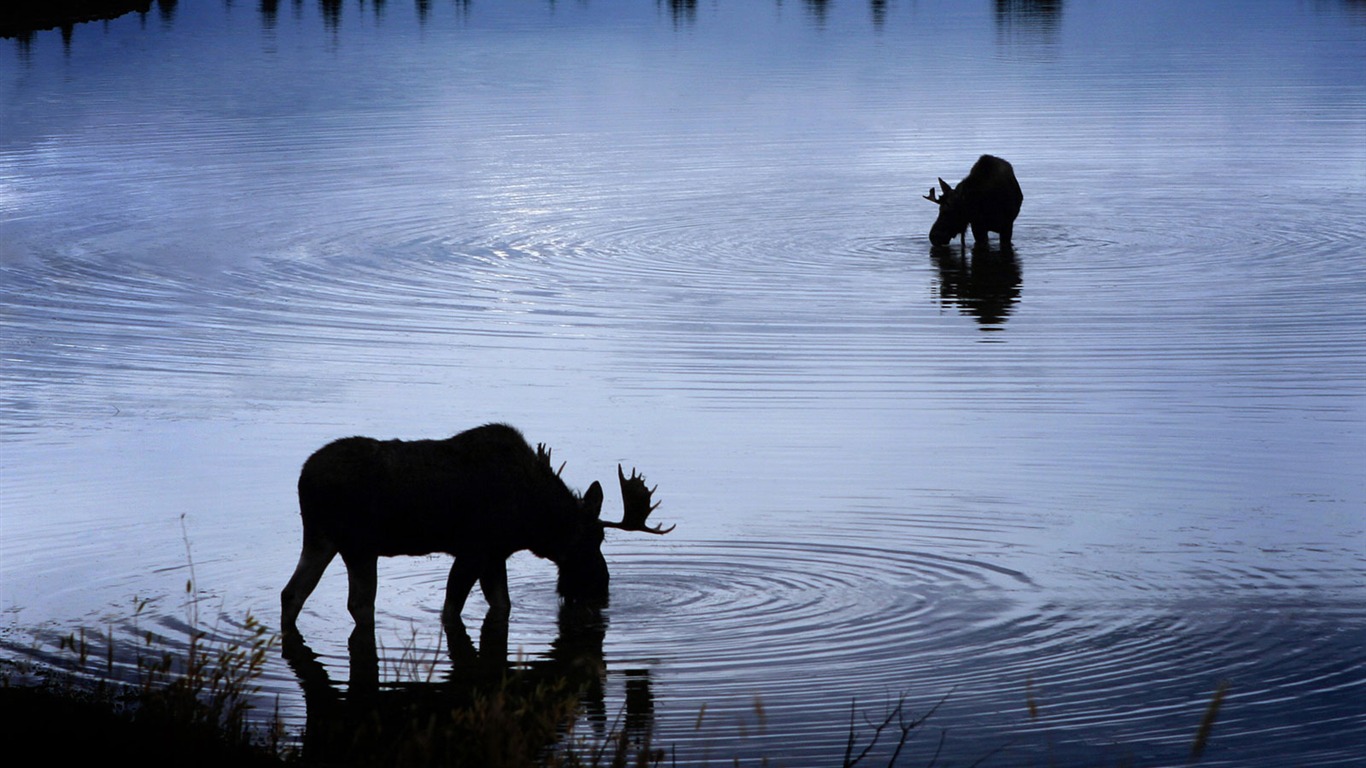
592, 500
944, 185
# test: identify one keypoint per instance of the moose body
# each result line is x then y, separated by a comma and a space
988, 200
481, 496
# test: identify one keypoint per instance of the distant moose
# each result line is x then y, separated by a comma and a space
481, 495
988, 200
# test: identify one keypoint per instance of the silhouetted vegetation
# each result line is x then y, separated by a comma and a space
191, 703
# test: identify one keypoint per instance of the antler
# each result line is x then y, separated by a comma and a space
543, 455
931, 197
635, 499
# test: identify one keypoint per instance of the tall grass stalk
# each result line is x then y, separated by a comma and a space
1207, 722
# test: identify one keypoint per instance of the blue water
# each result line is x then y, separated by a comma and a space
1069, 491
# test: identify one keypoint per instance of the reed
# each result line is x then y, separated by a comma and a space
193, 702
1207, 722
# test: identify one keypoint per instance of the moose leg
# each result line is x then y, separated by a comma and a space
494, 582
361, 575
980, 236
317, 554
464, 572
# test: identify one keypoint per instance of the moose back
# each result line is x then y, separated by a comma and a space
988, 200
481, 496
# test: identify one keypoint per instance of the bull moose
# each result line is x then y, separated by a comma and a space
481, 496
988, 200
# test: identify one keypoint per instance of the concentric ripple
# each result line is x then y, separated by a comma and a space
808, 628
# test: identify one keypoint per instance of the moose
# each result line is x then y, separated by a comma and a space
481, 496
988, 200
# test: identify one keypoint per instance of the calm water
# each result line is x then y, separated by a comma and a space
1068, 492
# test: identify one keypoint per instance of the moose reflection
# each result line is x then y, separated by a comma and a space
985, 285
481, 496
482, 710
988, 200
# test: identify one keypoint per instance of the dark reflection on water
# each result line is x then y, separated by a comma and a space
985, 284
683, 11
377, 717
1030, 24
1041, 17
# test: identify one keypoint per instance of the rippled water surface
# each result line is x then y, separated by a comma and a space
1068, 491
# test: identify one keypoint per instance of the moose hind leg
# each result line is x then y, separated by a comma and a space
361, 576
317, 554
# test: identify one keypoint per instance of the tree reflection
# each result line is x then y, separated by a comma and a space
21, 19
331, 12
1028, 21
683, 11
879, 9
818, 9
26, 17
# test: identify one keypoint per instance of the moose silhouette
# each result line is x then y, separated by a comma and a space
988, 200
481, 496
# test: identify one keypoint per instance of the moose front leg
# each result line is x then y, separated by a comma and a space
464, 572
494, 583
980, 236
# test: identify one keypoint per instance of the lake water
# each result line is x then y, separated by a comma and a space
1068, 491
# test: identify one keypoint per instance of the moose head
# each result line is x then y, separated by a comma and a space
583, 569
953, 214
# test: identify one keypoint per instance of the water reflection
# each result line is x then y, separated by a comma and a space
269, 10
1035, 16
984, 285
1029, 16
331, 12
1017, 21
25, 19
818, 9
381, 719
879, 9
1029, 28
683, 11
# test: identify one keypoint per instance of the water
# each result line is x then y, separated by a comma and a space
1068, 492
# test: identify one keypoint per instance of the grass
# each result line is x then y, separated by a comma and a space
195, 702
